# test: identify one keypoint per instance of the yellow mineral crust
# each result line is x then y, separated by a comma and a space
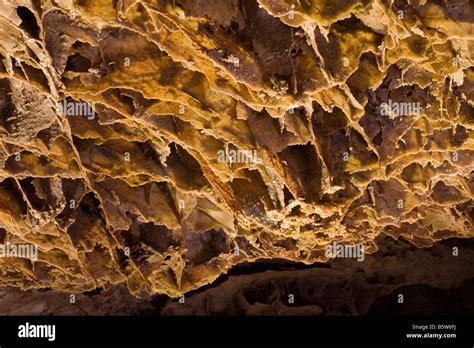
160, 143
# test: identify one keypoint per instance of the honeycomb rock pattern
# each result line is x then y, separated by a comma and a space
159, 143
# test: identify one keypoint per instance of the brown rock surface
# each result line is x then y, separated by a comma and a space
432, 281
227, 131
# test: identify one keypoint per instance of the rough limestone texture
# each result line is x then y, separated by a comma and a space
432, 281
150, 146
